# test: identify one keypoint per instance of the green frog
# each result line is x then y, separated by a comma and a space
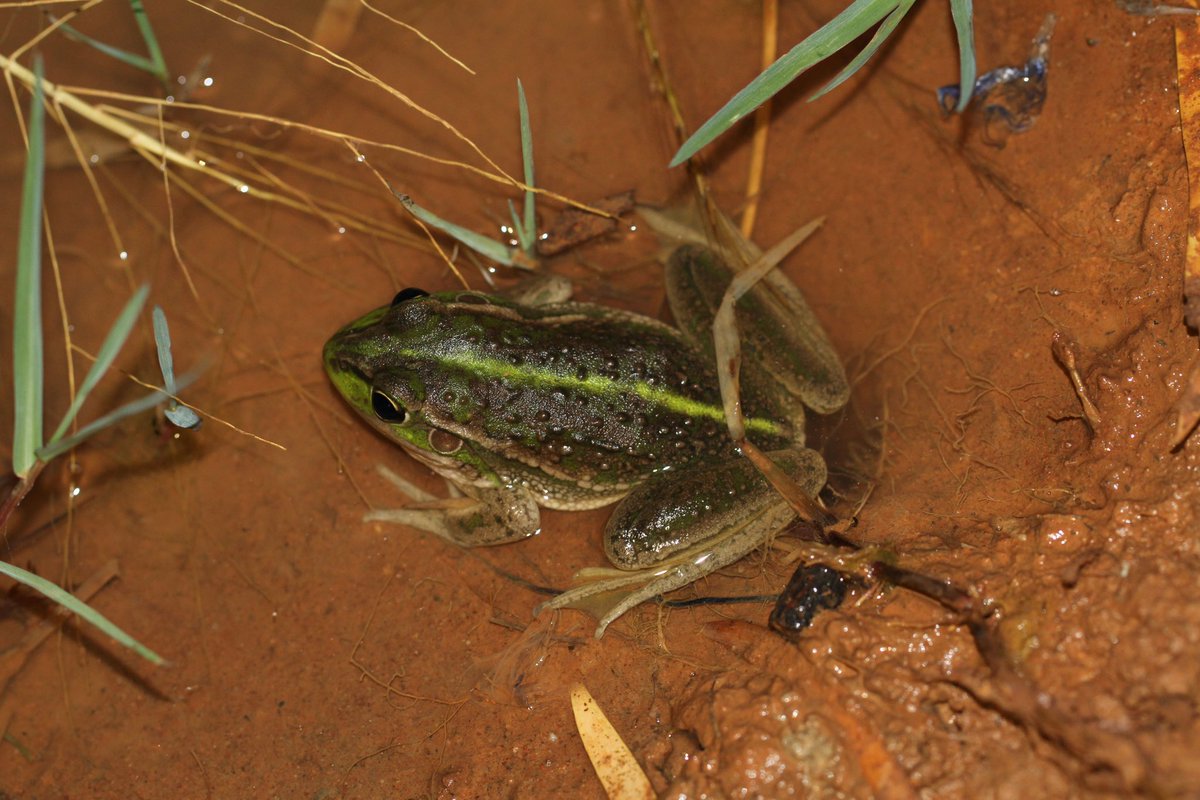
531, 400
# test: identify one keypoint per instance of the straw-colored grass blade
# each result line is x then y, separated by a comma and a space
619, 772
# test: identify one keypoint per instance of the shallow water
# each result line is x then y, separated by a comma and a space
314, 655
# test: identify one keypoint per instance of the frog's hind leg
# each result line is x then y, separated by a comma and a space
618, 597
643, 539
482, 518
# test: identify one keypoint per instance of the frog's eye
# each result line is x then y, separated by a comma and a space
386, 408
408, 294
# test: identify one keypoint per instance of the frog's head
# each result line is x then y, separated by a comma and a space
385, 365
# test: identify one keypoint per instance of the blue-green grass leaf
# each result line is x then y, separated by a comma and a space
526, 233
162, 341
180, 416
964, 28
524, 241
840, 31
112, 345
157, 62
124, 56
76, 606
885, 30
27, 310
489, 248
131, 408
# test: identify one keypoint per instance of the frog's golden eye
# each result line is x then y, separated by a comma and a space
386, 408
408, 294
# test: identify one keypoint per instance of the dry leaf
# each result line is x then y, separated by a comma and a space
617, 769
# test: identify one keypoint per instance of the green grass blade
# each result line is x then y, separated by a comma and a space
964, 27
886, 28
840, 31
61, 446
124, 56
179, 415
489, 248
112, 345
523, 240
76, 606
162, 341
527, 233
158, 64
27, 306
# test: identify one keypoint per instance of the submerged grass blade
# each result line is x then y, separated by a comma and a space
27, 312
527, 233
489, 248
112, 345
964, 28
180, 416
76, 606
158, 65
61, 446
518, 227
840, 31
124, 56
162, 341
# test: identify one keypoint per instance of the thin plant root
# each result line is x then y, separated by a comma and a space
1066, 351
1095, 754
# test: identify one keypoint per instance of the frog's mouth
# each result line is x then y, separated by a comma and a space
454, 468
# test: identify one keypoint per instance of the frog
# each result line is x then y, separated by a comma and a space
530, 399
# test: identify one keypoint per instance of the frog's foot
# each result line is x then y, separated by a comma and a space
609, 593
484, 517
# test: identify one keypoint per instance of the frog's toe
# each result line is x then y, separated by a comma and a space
483, 517
609, 598
406, 487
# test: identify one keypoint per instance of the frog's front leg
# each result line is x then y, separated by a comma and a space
482, 516
680, 526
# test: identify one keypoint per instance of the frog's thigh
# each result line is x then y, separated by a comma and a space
704, 508
736, 543
674, 530
483, 517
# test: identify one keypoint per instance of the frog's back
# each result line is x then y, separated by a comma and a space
573, 398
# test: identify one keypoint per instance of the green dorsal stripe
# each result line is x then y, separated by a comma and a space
596, 384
